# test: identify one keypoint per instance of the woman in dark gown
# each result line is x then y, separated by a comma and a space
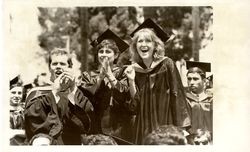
107, 88
155, 84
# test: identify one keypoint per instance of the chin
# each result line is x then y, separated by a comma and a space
14, 103
145, 57
193, 90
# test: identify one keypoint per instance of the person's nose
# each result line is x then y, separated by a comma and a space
104, 54
58, 66
191, 81
143, 43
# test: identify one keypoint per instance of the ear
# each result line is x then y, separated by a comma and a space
116, 55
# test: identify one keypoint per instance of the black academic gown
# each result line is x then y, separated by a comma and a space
111, 115
160, 98
16, 117
62, 122
17, 123
201, 111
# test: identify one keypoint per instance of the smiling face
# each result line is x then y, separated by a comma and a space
59, 63
106, 52
145, 45
16, 94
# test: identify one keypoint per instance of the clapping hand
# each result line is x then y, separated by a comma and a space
106, 69
65, 82
130, 73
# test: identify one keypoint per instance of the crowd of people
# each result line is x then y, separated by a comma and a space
144, 103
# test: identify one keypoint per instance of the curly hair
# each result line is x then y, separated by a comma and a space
166, 135
98, 139
203, 133
159, 50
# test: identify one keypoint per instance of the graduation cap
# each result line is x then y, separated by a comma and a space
210, 78
149, 23
15, 82
210, 82
205, 67
108, 34
28, 86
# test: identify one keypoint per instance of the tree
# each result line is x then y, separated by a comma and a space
179, 21
60, 22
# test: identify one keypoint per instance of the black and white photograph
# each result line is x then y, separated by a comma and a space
121, 75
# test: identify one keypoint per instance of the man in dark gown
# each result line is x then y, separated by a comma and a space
58, 113
200, 101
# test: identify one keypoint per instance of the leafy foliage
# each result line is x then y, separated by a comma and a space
60, 23
179, 21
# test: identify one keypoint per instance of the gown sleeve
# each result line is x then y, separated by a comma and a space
179, 103
82, 101
41, 119
120, 91
89, 83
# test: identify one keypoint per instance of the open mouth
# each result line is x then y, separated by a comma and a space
104, 58
144, 49
58, 73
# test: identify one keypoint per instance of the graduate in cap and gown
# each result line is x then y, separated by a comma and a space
155, 84
107, 88
17, 135
200, 101
16, 109
57, 114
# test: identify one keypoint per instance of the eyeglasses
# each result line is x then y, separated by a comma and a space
201, 142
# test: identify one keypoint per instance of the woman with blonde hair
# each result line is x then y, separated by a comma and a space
155, 84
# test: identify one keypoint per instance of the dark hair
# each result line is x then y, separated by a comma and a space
109, 43
197, 70
61, 51
166, 135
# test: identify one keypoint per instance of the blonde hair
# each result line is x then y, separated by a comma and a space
159, 50
61, 51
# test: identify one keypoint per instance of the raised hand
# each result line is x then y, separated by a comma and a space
130, 73
65, 82
104, 67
